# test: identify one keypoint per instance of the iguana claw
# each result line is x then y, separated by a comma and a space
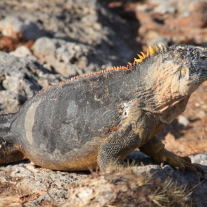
182, 163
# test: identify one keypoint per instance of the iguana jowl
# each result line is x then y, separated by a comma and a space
101, 118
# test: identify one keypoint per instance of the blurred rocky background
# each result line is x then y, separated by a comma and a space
43, 42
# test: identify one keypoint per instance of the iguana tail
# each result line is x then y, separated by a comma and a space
5, 123
9, 150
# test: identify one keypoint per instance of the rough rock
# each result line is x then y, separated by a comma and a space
17, 28
23, 51
28, 179
21, 78
93, 192
77, 21
82, 189
68, 58
183, 121
164, 8
173, 22
196, 18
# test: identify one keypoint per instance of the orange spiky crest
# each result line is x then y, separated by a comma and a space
151, 50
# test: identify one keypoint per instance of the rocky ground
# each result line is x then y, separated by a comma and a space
44, 42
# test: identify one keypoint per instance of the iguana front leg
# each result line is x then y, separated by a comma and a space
133, 133
155, 149
116, 147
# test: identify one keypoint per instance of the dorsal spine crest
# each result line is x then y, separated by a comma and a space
151, 50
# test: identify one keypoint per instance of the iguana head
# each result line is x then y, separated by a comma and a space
171, 76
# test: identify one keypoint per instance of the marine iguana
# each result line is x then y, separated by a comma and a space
101, 118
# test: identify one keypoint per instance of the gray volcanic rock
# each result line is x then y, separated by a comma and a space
78, 21
63, 188
21, 78
68, 58
15, 28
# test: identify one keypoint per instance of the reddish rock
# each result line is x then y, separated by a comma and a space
197, 19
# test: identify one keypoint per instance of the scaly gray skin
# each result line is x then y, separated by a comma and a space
101, 118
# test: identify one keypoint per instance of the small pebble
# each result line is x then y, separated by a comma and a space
183, 120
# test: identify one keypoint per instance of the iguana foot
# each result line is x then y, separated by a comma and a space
155, 149
182, 163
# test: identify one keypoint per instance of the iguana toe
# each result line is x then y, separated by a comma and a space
187, 159
182, 163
